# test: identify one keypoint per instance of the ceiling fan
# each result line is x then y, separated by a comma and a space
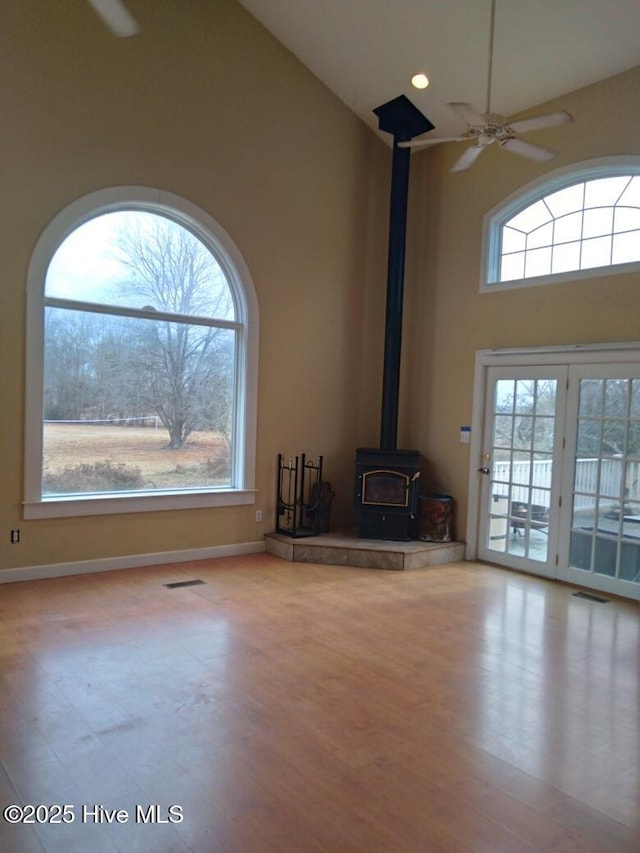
117, 17
485, 128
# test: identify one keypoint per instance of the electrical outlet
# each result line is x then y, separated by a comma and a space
258, 515
15, 537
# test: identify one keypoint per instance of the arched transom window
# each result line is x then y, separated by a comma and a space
570, 225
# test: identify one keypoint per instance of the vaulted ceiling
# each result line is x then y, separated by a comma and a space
366, 51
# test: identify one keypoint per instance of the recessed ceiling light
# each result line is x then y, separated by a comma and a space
420, 81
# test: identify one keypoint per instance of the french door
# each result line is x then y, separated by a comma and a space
601, 545
559, 472
520, 487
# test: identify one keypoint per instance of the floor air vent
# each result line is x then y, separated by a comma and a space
591, 597
178, 584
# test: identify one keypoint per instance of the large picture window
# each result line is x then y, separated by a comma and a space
575, 223
145, 385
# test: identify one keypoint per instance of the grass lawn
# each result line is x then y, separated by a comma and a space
203, 461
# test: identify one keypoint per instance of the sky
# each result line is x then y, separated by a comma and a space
86, 268
87, 254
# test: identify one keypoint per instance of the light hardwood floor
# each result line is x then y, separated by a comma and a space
292, 707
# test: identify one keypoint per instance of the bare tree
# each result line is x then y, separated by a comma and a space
186, 365
70, 391
524, 418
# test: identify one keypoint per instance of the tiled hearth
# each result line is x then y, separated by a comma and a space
343, 549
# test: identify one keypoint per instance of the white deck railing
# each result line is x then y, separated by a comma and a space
593, 477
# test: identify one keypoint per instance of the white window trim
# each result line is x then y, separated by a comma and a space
228, 255
602, 167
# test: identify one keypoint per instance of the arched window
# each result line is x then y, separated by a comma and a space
577, 222
141, 368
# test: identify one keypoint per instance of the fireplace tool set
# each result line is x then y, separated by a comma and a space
300, 496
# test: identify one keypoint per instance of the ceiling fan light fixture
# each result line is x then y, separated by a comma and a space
420, 80
489, 127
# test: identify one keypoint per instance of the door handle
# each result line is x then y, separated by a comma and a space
484, 470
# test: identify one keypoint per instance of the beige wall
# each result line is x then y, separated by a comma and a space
449, 320
207, 105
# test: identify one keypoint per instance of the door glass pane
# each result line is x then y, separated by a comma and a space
583, 510
630, 562
521, 468
541, 471
613, 439
498, 522
635, 399
591, 397
523, 432
543, 433
616, 397
525, 396
605, 556
633, 439
632, 508
588, 438
504, 396
504, 430
581, 549
610, 477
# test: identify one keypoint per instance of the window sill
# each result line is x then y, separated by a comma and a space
560, 277
76, 505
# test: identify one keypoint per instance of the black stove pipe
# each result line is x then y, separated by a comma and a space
395, 296
401, 118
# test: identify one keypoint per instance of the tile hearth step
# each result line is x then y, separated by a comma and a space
342, 549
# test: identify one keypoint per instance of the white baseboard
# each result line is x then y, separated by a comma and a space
109, 564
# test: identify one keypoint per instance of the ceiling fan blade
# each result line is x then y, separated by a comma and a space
528, 149
538, 122
116, 16
468, 158
468, 113
422, 143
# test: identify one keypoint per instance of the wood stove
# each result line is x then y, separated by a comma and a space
386, 491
